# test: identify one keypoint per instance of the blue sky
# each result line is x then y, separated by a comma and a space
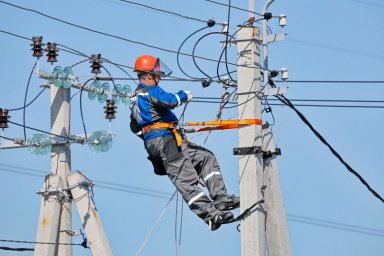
326, 40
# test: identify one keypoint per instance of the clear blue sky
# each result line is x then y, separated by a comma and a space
327, 40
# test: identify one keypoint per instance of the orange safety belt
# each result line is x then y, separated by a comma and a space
222, 124
170, 126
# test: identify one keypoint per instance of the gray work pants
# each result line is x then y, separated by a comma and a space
184, 168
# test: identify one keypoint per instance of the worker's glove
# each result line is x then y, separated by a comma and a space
189, 95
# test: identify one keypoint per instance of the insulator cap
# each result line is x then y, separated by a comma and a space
274, 73
110, 110
52, 52
96, 63
36, 43
267, 15
211, 23
4, 118
206, 82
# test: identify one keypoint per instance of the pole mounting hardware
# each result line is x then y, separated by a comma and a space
247, 150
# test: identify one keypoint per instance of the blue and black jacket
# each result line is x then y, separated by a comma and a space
152, 105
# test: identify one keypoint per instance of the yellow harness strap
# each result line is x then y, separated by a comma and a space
170, 126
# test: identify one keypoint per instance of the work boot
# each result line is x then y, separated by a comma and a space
227, 202
220, 218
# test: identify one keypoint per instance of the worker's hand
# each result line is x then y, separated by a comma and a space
189, 95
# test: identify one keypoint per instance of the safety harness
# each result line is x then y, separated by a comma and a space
170, 126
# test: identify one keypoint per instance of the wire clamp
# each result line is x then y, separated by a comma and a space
247, 150
268, 154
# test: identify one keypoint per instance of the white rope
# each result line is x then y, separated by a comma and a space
155, 226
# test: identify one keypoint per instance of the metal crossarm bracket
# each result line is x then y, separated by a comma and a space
247, 150
49, 191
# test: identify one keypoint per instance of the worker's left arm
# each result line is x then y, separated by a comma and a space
165, 99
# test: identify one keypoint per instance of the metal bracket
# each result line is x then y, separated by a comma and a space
247, 150
275, 37
275, 91
50, 191
268, 154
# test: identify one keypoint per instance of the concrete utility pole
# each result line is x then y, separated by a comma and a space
264, 231
250, 142
276, 224
61, 187
55, 223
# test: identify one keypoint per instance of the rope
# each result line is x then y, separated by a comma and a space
155, 226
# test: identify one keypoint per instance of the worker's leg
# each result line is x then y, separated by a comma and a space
182, 174
206, 165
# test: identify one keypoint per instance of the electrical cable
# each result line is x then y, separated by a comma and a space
74, 51
12, 34
81, 106
6, 138
107, 34
25, 99
27, 105
234, 7
291, 217
4, 248
35, 129
287, 102
226, 41
29, 242
119, 67
194, 48
178, 52
165, 11
336, 81
208, 100
342, 226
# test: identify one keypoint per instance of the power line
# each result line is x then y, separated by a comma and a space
341, 49
287, 102
196, 100
102, 184
367, 3
107, 34
347, 227
291, 217
234, 7
336, 81
165, 11
39, 130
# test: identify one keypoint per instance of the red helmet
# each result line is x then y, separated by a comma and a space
150, 64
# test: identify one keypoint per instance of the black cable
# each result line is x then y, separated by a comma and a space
25, 100
118, 66
165, 11
81, 107
234, 7
348, 227
35, 129
27, 105
178, 52
74, 51
12, 34
6, 138
336, 81
15, 249
107, 34
226, 41
194, 48
29, 242
287, 102
155, 194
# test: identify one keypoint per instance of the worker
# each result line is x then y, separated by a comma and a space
185, 163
